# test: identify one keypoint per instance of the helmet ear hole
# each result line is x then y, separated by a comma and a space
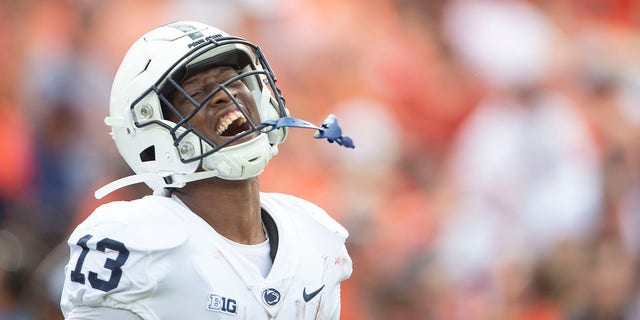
148, 154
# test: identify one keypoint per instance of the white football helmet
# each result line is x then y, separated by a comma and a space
165, 153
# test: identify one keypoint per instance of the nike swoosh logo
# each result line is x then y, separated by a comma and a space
310, 296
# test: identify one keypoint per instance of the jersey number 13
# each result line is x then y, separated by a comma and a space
115, 266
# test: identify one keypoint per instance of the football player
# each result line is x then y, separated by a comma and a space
197, 115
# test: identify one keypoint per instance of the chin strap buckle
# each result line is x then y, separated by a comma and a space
329, 129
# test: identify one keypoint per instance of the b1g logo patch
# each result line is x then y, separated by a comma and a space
222, 304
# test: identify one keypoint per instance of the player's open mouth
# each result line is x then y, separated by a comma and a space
232, 124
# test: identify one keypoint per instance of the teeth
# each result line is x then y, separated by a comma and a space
228, 119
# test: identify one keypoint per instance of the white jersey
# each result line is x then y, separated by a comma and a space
159, 260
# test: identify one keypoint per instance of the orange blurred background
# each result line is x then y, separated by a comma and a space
496, 169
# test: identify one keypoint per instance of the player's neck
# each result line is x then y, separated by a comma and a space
232, 208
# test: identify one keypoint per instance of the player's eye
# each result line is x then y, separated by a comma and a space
196, 94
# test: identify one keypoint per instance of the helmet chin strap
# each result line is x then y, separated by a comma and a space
160, 181
329, 130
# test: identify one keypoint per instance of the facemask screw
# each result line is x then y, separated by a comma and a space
187, 149
145, 111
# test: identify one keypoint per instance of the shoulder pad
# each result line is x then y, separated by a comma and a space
149, 223
304, 208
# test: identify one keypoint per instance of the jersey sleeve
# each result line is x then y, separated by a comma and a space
338, 266
117, 257
323, 237
100, 313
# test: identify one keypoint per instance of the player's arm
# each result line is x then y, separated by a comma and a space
111, 254
339, 270
101, 313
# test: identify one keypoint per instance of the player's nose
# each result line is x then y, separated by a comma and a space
223, 97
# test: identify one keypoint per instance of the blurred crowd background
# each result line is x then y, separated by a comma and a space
497, 168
